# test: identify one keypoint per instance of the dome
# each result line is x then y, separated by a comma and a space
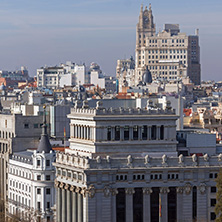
147, 77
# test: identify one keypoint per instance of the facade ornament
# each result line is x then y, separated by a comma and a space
130, 191
114, 191
98, 159
164, 160
129, 160
147, 160
83, 191
61, 185
179, 190
106, 191
187, 188
181, 159
91, 191
220, 157
194, 159
108, 159
147, 190
202, 187
56, 183
78, 189
72, 188
164, 190
66, 187
206, 157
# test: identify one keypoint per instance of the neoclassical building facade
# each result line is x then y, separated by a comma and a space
122, 165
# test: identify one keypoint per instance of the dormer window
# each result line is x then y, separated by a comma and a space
38, 163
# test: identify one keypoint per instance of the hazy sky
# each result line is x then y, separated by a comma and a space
48, 32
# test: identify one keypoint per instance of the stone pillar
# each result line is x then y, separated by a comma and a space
187, 203
165, 133
63, 205
179, 203
74, 204
122, 133
148, 132
114, 192
68, 204
158, 132
164, 204
112, 133
146, 204
202, 200
58, 205
129, 204
79, 204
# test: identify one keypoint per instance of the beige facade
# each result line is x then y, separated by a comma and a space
169, 55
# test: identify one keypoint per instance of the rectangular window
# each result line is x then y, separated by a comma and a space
26, 125
48, 191
213, 189
153, 132
38, 162
144, 132
213, 202
126, 133
47, 162
48, 205
36, 125
38, 191
135, 132
38, 177
117, 133
47, 177
38, 205
212, 216
108, 133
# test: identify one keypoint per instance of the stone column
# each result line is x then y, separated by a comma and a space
74, 204
58, 205
68, 204
202, 200
158, 132
114, 192
179, 203
112, 133
187, 203
63, 203
164, 204
146, 204
129, 204
79, 204
148, 132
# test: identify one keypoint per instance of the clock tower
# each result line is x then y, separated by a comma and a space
145, 28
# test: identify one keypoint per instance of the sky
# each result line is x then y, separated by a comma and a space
49, 32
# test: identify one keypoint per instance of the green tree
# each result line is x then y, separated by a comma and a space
218, 206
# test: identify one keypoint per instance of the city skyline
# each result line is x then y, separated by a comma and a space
35, 34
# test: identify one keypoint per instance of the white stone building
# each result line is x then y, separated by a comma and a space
169, 54
122, 165
31, 175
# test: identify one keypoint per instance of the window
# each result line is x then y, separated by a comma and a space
213, 202
47, 177
38, 162
26, 125
36, 125
48, 191
108, 133
47, 162
117, 133
38, 205
48, 205
38, 177
38, 191
153, 132
126, 133
213, 189
135, 132
212, 216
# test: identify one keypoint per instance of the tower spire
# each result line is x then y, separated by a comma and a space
150, 7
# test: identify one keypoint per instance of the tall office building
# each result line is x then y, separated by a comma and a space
169, 54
